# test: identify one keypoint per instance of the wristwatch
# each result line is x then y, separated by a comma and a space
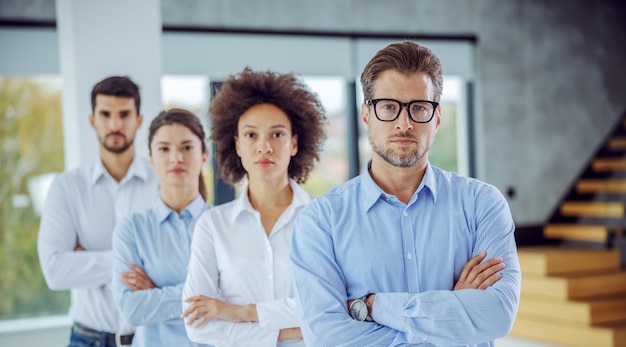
359, 309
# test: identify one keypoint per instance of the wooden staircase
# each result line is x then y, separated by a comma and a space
595, 208
572, 296
574, 292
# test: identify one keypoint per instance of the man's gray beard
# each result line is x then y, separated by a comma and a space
394, 159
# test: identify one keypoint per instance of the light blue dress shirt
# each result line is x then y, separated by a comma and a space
356, 239
158, 240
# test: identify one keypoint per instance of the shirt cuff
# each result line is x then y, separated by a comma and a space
277, 314
388, 309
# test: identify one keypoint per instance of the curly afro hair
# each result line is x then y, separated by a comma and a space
286, 91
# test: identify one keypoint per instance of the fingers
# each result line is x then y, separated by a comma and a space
137, 269
195, 306
490, 281
196, 298
136, 280
489, 275
195, 314
130, 283
481, 275
188, 311
202, 320
467, 268
477, 275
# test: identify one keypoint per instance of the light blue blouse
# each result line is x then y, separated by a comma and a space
158, 240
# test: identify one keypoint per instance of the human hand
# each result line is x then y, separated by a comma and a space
203, 308
137, 279
79, 248
477, 275
289, 334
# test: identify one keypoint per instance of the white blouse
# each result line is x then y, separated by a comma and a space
233, 260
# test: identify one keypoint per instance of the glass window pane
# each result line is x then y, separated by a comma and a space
332, 169
445, 152
31, 138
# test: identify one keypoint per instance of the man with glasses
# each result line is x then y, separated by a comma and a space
397, 255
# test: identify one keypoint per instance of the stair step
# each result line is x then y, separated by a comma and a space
592, 209
609, 164
576, 232
566, 287
568, 333
612, 186
591, 311
617, 143
545, 260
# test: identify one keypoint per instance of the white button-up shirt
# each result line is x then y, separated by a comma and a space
232, 259
82, 208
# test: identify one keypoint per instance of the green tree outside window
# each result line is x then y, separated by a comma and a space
31, 145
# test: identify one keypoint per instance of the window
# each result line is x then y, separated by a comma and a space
191, 92
332, 169
449, 151
31, 140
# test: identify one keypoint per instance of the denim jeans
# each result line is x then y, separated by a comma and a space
77, 340
89, 339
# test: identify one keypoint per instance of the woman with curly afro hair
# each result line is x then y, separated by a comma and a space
269, 129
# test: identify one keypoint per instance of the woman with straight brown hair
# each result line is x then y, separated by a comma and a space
151, 248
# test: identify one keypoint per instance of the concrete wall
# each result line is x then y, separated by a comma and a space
550, 76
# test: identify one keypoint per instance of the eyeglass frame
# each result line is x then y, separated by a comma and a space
373, 102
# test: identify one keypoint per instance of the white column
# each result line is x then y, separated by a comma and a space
98, 39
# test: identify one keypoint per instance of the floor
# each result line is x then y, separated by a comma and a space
518, 342
54, 331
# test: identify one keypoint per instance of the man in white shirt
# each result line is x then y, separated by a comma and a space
81, 209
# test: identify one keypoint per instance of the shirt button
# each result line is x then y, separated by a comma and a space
405, 213
409, 256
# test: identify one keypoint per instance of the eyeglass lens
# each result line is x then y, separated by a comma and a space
388, 110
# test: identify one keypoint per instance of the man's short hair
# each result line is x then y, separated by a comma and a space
407, 58
120, 86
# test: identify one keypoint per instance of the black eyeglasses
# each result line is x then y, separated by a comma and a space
388, 110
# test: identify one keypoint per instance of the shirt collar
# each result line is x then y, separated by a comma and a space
98, 171
195, 209
242, 203
136, 169
429, 182
371, 192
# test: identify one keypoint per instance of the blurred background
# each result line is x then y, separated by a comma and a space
532, 91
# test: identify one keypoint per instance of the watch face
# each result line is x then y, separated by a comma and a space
358, 310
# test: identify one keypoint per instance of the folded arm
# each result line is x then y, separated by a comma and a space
326, 321
139, 300
464, 316
475, 275
64, 262
441, 317
211, 319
